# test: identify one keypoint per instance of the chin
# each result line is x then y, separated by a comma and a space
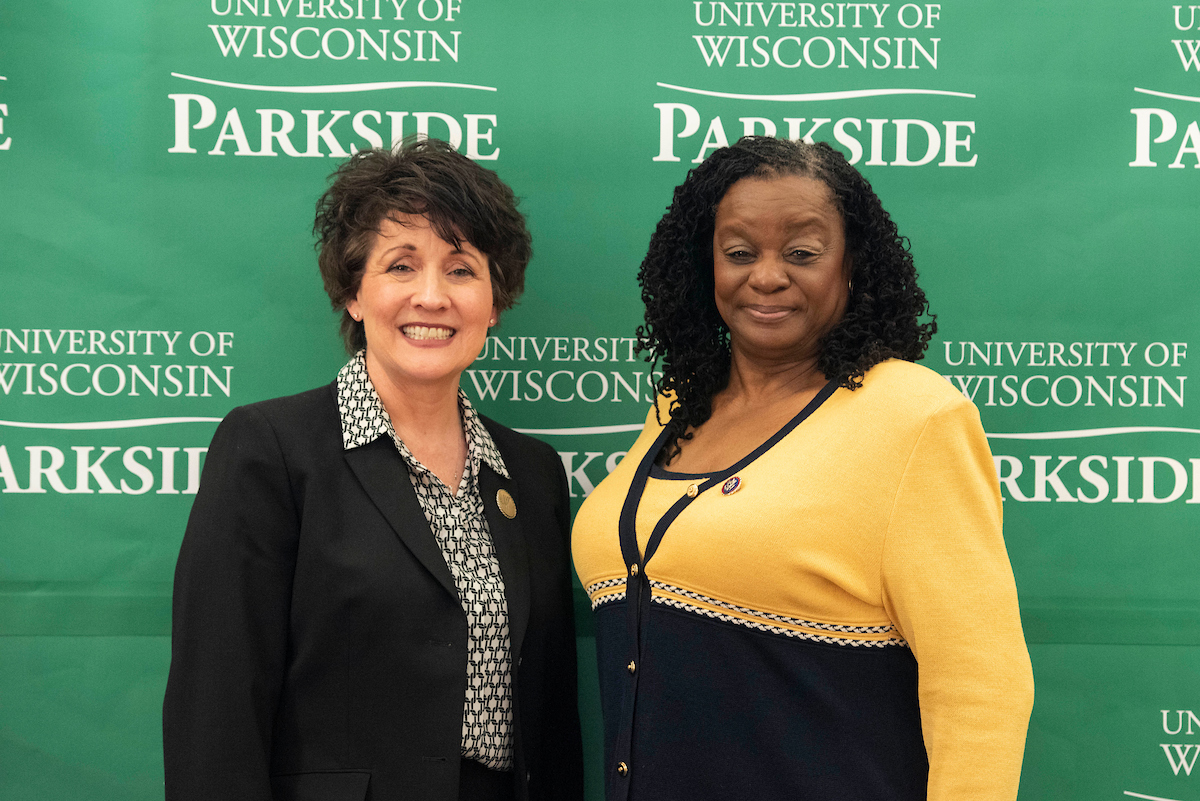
434, 370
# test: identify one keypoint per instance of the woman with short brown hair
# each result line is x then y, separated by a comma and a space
373, 596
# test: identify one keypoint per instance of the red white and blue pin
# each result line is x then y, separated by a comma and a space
731, 486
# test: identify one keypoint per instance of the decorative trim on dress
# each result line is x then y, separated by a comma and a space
610, 590
599, 597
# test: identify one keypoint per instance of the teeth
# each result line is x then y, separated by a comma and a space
426, 332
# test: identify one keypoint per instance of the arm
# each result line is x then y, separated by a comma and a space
949, 589
230, 618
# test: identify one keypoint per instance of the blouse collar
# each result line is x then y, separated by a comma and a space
365, 420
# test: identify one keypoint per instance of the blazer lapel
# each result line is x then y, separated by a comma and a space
384, 477
511, 551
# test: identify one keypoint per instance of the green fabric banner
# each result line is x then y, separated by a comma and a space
161, 162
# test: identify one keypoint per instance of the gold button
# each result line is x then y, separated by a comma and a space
622, 768
507, 505
693, 490
633, 570
632, 666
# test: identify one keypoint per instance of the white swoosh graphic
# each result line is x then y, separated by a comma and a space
571, 432
1148, 797
843, 95
107, 425
1171, 97
1084, 433
335, 88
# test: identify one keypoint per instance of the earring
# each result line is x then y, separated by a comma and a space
355, 317
851, 286
492, 321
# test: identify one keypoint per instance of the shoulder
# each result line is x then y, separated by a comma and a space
310, 416
507, 439
910, 390
520, 448
302, 405
899, 402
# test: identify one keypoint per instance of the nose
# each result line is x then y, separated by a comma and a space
431, 290
769, 274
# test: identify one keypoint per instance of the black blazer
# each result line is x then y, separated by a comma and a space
318, 646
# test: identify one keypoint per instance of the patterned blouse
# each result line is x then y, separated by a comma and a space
461, 530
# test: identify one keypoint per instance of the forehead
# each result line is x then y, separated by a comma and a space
397, 223
787, 200
413, 231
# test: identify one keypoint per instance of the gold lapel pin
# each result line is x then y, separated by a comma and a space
508, 507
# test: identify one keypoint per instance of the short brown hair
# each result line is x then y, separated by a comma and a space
462, 201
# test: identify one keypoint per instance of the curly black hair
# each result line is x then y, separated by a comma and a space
683, 328
461, 200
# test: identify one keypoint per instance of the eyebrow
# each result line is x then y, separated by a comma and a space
413, 248
740, 226
399, 247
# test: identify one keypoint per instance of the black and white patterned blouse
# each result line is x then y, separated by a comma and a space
462, 533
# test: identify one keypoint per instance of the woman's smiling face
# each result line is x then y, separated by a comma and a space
780, 267
425, 304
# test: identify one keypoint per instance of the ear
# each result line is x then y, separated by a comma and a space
354, 309
495, 318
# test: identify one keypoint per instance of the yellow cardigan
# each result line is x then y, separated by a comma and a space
872, 528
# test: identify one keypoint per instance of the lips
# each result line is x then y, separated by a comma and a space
426, 332
768, 313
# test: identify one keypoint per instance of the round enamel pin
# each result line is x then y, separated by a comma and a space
731, 486
508, 507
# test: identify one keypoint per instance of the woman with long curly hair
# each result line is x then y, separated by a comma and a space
800, 585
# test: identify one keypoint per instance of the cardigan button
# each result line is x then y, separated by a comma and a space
693, 490
633, 570
622, 769
632, 666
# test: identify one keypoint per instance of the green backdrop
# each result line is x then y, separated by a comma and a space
160, 162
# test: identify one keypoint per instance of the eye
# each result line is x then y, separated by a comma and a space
462, 271
399, 266
740, 255
800, 254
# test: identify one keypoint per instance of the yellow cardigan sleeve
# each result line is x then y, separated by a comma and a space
949, 589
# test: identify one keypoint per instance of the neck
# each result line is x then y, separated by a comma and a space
420, 412
755, 382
